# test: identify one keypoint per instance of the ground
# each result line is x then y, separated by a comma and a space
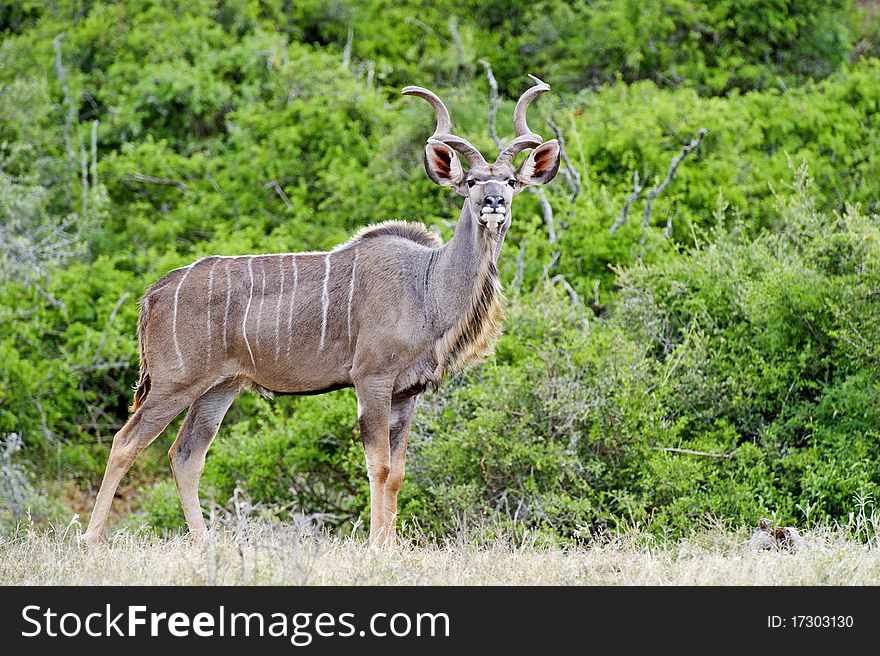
262, 553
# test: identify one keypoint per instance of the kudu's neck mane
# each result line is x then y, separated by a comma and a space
467, 295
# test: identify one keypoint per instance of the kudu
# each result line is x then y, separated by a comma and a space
389, 312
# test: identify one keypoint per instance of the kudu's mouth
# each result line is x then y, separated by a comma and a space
492, 219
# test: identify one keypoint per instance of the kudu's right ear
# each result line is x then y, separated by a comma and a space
442, 165
542, 164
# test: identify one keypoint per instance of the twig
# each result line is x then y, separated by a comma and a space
151, 179
633, 197
572, 177
667, 231
94, 155
50, 436
686, 150
493, 104
84, 159
278, 190
62, 78
428, 30
214, 184
456, 39
101, 366
550, 223
547, 210
673, 449
107, 327
346, 52
520, 267
572, 294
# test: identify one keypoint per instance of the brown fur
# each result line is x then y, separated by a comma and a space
142, 388
412, 231
471, 339
389, 312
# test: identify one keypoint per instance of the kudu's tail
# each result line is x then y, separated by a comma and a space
142, 388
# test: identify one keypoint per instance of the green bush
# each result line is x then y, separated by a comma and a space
228, 127
736, 380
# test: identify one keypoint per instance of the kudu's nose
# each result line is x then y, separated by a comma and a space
493, 202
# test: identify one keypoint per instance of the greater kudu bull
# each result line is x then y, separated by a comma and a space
389, 312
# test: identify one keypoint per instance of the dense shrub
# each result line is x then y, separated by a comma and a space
229, 127
712, 46
736, 380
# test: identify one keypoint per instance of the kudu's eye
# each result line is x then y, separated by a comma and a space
470, 183
512, 182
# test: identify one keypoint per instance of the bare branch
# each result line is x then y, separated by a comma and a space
94, 167
633, 197
548, 212
520, 268
493, 104
550, 223
62, 78
554, 260
101, 366
278, 190
459, 47
426, 29
572, 177
686, 150
672, 449
214, 184
346, 52
667, 231
572, 294
151, 179
84, 159
107, 327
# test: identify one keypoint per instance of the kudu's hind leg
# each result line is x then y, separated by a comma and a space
188, 452
140, 430
374, 408
401, 418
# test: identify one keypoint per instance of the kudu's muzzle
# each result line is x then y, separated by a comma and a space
494, 202
493, 211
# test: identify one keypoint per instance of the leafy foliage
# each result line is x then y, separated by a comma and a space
138, 136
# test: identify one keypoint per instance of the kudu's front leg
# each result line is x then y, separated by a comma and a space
374, 410
401, 418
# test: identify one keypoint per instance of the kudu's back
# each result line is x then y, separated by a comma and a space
291, 322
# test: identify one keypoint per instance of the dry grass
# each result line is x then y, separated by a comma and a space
263, 553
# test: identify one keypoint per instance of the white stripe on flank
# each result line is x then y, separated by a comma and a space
174, 316
210, 294
325, 299
248, 308
260, 311
278, 309
292, 302
226, 313
354, 264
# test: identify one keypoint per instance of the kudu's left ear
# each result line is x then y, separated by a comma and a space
442, 165
541, 165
